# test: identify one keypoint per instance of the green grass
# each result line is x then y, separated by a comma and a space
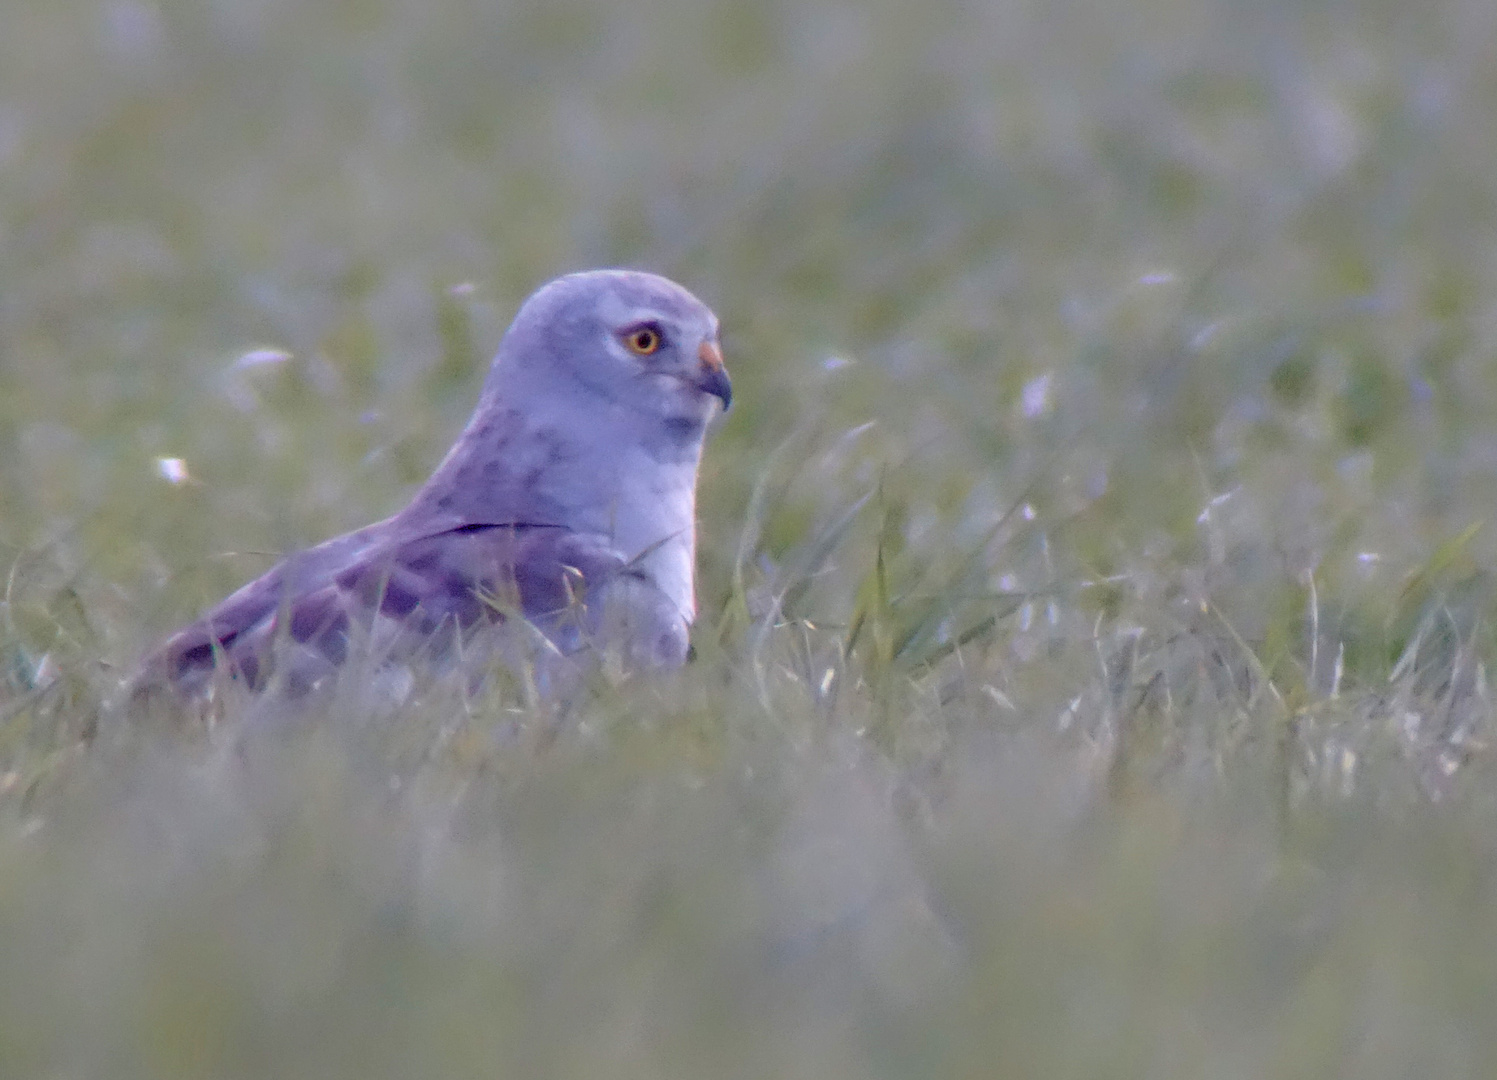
1096, 570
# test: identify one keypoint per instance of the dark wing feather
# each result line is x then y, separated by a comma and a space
405, 592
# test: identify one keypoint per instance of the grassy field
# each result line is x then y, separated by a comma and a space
1096, 578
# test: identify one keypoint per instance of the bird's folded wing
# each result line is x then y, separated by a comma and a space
395, 590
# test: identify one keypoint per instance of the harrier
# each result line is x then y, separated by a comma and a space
564, 515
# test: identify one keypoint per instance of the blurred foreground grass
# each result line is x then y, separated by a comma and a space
1096, 595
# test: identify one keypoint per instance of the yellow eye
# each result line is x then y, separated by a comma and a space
643, 340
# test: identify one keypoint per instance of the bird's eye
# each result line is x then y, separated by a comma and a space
643, 340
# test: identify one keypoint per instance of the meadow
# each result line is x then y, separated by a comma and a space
1096, 565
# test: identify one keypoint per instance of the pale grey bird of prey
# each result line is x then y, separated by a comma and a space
566, 511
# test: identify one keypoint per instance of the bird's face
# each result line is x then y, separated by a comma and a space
676, 357
638, 340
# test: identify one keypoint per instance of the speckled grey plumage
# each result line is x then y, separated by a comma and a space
569, 499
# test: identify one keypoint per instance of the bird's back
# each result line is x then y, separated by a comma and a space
386, 594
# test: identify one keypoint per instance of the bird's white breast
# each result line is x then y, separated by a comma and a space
653, 520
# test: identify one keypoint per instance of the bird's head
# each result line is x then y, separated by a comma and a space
619, 339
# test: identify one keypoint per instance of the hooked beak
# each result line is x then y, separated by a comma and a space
712, 377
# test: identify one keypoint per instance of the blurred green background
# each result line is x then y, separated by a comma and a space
1095, 581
